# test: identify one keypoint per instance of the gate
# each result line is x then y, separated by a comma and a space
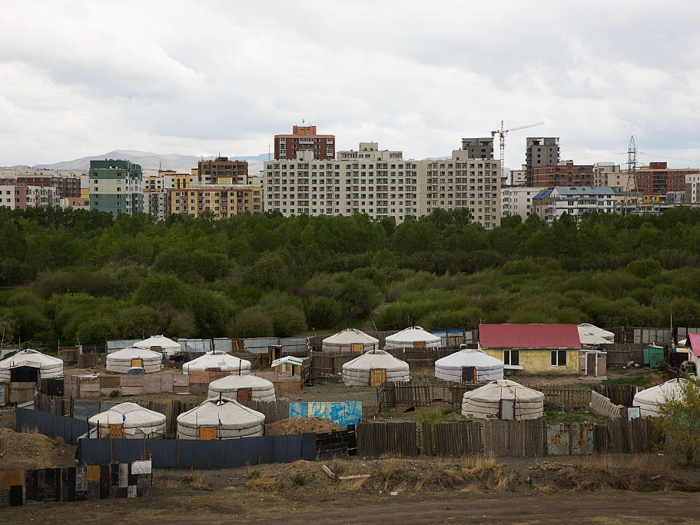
377, 376
244, 394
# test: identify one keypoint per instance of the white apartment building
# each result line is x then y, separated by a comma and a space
380, 183
575, 201
377, 183
609, 174
691, 188
462, 182
23, 196
517, 200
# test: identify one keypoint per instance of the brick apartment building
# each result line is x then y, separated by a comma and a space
563, 174
236, 171
304, 138
658, 179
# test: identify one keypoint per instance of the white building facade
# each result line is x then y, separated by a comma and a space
575, 201
517, 200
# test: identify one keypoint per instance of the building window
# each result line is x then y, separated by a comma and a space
511, 357
557, 358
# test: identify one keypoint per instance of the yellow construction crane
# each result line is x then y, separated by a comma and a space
502, 139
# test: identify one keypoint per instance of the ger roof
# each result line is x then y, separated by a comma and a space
529, 336
695, 344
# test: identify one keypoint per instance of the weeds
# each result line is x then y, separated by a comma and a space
298, 480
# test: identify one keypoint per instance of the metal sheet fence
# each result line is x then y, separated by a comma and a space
186, 454
51, 425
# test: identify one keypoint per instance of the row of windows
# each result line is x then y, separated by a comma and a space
556, 357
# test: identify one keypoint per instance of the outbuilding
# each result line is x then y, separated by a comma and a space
350, 340
413, 337
32, 365
503, 399
373, 368
122, 361
533, 348
218, 362
650, 399
220, 418
243, 388
469, 366
129, 421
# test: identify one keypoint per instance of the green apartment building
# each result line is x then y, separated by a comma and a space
115, 186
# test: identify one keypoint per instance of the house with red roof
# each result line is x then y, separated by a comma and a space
533, 348
694, 353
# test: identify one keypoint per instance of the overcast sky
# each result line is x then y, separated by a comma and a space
81, 78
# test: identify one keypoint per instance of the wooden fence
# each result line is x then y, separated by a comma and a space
377, 439
533, 438
567, 397
329, 364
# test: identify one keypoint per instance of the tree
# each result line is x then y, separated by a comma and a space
680, 420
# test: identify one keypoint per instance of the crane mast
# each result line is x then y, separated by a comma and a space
502, 141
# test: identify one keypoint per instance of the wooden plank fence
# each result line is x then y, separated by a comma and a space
377, 439
171, 410
515, 438
392, 394
329, 364
451, 439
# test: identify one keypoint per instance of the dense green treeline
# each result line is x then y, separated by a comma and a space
83, 276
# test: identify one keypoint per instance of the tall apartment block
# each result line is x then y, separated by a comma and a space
464, 182
380, 183
543, 151
115, 186
478, 148
657, 179
304, 138
563, 174
223, 171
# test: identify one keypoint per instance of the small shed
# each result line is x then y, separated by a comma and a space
129, 421
413, 337
649, 400
469, 366
29, 366
159, 344
503, 399
220, 418
350, 340
122, 360
373, 368
217, 362
243, 388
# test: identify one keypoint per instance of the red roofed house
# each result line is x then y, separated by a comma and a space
533, 348
694, 354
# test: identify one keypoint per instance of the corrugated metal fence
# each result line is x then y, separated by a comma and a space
51, 425
185, 454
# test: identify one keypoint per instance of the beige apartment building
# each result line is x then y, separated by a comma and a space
222, 201
381, 183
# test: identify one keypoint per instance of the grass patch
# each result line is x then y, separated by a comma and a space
439, 415
298, 480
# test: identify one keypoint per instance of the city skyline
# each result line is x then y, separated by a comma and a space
83, 78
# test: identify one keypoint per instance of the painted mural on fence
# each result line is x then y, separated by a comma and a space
342, 412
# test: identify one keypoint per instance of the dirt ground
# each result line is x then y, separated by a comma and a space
33, 451
615, 489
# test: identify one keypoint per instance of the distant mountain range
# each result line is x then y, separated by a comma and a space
152, 161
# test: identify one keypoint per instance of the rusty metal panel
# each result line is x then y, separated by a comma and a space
581, 439
558, 440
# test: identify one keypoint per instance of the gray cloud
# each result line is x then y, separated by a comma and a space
199, 77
